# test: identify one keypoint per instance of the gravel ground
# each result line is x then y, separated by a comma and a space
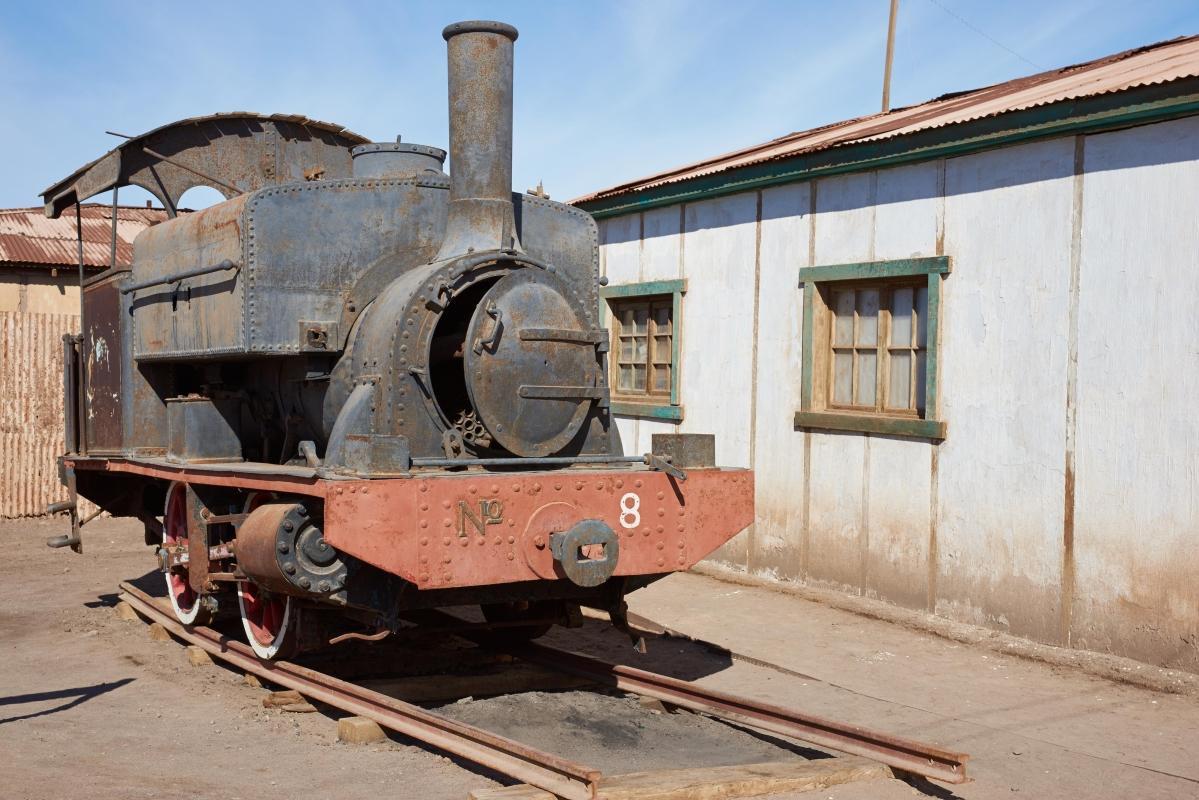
92, 707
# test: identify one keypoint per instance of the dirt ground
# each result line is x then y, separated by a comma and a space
91, 707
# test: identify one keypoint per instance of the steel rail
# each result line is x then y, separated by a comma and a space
904, 754
563, 778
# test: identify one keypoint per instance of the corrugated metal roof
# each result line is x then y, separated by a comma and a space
1144, 66
27, 237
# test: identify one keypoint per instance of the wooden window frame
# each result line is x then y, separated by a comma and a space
816, 412
656, 406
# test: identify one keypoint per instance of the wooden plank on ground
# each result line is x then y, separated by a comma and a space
717, 783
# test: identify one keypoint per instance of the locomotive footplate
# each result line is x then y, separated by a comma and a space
442, 530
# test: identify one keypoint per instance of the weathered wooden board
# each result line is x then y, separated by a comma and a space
716, 783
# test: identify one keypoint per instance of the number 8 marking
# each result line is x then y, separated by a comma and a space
630, 510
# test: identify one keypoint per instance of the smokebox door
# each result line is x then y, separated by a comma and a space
531, 364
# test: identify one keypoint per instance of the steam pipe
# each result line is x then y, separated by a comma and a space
481, 216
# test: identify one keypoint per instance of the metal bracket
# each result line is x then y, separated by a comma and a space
663, 465
318, 336
74, 539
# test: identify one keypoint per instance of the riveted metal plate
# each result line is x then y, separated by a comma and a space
482, 529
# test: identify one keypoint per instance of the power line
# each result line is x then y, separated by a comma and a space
986, 36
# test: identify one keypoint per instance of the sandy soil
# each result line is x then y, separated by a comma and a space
91, 707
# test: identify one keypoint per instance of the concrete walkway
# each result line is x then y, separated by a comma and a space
1030, 728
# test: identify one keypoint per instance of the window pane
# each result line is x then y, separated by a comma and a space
867, 367
626, 348
920, 378
662, 378
843, 303
901, 316
639, 349
640, 319
625, 380
661, 349
921, 315
662, 319
638, 377
842, 378
868, 316
901, 380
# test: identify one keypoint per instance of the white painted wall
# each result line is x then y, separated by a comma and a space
976, 528
1003, 389
777, 543
1136, 540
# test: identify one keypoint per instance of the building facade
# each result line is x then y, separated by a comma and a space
39, 304
957, 344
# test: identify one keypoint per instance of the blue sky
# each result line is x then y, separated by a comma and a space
605, 92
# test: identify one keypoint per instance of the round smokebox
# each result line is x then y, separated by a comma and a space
395, 160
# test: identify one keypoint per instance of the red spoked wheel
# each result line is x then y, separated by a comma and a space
186, 602
270, 619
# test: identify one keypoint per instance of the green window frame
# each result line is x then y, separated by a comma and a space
824, 285
669, 292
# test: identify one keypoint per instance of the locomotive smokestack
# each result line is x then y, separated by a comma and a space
480, 83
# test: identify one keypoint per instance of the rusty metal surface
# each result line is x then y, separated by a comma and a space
448, 530
250, 477
280, 546
396, 160
901, 753
200, 313
504, 364
559, 776
242, 151
104, 373
374, 229
481, 215
198, 564
201, 429
31, 409
455, 530
256, 554
29, 239
1144, 66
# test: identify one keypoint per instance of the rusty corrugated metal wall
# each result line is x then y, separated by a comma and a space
31, 412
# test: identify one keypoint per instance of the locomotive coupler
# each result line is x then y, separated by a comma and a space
587, 552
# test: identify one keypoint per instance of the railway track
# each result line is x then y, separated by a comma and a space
558, 776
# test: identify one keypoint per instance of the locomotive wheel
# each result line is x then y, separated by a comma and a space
185, 601
270, 620
516, 611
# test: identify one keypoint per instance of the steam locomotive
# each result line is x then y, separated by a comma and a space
360, 388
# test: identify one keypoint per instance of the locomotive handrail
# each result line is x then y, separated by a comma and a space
659, 463
178, 276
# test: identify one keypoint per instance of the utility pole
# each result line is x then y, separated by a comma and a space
890, 56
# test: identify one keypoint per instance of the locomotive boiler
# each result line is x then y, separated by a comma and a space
360, 387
